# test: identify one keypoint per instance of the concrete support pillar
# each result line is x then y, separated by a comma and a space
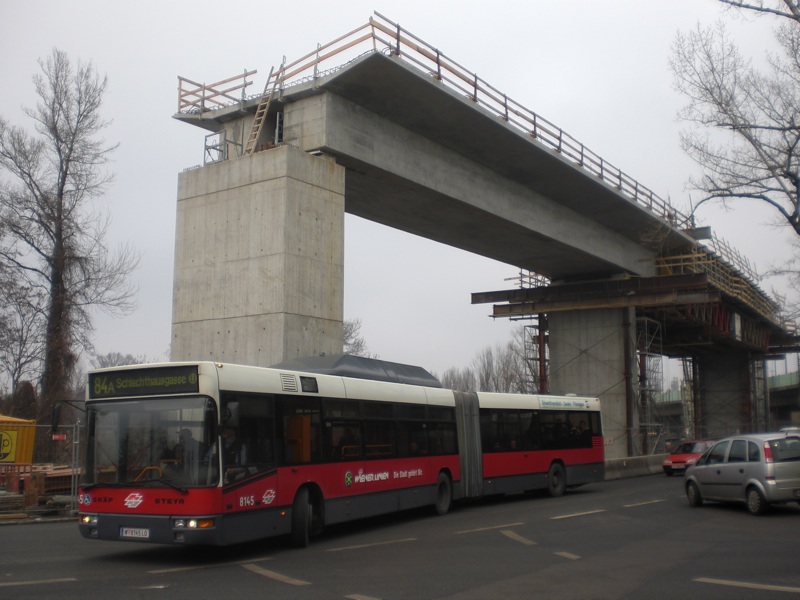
724, 394
259, 259
593, 352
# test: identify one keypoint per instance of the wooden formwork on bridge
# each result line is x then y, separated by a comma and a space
736, 282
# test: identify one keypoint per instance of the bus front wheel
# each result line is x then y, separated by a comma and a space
444, 494
302, 517
556, 480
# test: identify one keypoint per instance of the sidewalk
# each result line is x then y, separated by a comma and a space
12, 511
26, 519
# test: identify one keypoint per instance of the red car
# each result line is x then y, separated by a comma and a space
685, 455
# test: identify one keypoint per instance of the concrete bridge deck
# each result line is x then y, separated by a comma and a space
504, 193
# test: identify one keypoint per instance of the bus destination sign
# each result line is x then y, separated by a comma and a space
153, 381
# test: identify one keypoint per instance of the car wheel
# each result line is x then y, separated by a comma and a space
693, 494
755, 501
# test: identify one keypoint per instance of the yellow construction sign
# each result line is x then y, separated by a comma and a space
16, 440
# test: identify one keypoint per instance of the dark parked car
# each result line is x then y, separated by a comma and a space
685, 455
756, 470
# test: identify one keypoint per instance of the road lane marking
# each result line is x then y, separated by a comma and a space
488, 528
517, 537
360, 597
581, 514
751, 586
358, 547
568, 555
37, 582
273, 575
208, 566
642, 503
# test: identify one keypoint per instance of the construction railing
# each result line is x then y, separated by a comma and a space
196, 97
727, 270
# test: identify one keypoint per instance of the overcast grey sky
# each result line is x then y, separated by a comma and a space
596, 68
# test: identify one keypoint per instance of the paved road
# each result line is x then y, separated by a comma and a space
628, 539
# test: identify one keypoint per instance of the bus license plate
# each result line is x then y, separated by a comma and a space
134, 532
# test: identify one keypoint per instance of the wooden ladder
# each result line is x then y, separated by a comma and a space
263, 108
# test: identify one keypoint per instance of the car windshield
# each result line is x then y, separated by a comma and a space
154, 442
785, 449
690, 448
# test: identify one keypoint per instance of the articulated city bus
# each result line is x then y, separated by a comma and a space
211, 453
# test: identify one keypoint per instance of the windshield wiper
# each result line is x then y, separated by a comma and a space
143, 483
167, 482
111, 484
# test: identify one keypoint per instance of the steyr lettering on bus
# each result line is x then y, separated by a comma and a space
170, 501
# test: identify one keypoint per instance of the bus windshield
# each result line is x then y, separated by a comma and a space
166, 442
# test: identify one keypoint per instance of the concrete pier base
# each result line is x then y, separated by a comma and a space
259, 259
592, 352
722, 408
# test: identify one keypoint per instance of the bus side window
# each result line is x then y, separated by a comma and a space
379, 439
489, 436
530, 425
411, 438
344, 440
442, 438
248, 434
298, 430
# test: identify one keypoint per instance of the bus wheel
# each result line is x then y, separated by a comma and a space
556, 480
302, 516
444, 494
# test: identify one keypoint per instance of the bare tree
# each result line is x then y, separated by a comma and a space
354, 342
51, 239
21, 333
504, 367
458, 379
756, 157
116, 359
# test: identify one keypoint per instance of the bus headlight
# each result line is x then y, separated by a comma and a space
89, 521
191, 523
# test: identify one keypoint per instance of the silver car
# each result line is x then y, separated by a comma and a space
757, 469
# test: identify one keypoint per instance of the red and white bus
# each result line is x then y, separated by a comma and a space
211, 453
